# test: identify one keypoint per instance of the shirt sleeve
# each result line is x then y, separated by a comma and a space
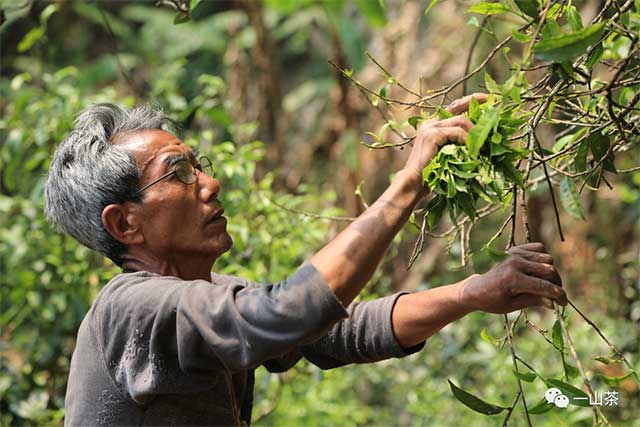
153, 326
365, 336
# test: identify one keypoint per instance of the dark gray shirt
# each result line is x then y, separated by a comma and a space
159, 350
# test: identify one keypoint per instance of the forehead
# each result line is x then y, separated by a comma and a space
151, 146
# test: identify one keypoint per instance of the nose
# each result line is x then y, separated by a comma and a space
209, 187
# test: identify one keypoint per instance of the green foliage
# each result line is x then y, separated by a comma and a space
461, 176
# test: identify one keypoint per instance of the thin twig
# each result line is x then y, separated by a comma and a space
470, 54
310, 214
574, 354
604, 338
515, 367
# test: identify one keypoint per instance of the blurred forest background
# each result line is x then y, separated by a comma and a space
252, 87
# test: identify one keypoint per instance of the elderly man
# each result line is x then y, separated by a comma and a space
168, 342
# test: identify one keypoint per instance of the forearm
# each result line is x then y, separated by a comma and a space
417, 316
350, 259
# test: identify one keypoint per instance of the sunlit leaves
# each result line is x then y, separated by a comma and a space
489, 8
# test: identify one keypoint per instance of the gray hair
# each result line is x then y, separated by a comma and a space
88, 173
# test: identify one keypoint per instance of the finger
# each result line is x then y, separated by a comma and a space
543, 258
540, 287
453, 134
461, 105
528, 300
533, 246
540, 270
456, 121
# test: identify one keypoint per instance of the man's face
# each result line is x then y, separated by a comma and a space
177, 217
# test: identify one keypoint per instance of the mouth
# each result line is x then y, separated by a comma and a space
217, 217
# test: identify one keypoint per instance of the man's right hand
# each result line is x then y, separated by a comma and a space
526, 278
434, 133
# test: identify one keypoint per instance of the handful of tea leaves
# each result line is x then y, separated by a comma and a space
484, 168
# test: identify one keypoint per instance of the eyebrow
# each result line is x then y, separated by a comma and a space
172, 160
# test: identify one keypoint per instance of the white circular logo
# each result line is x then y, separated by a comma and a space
551, 394
561, 401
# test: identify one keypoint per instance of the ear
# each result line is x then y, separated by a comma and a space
123, 222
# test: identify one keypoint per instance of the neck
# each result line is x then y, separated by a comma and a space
186, 269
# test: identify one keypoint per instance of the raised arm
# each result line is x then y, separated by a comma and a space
350, 259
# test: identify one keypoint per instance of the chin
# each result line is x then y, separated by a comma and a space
228, 244
225, 243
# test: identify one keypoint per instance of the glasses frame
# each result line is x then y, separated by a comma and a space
194, 168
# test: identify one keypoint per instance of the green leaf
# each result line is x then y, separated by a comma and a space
514, 93
541, 407
496, 255
413, 121
551, 29
615, 381
599, 145
556, 336
491, 84
474, 110
574, 18
580, 161
479, 133
571, 371
570, 199
466, 202
498, 149
474, 402
530, 7
562, 142
431, 5
595, 56
443, 113
520, 37
565, 47
525, 376
463, 174
47, 12
511, 172
181, 18
193, 4
486, 337
451, 187
30, 39
488, 8
605, 360
435, 209
570, 391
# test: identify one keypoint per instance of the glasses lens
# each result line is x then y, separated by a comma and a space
206, 166
185, 172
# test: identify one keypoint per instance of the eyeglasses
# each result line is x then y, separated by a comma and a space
185, 171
